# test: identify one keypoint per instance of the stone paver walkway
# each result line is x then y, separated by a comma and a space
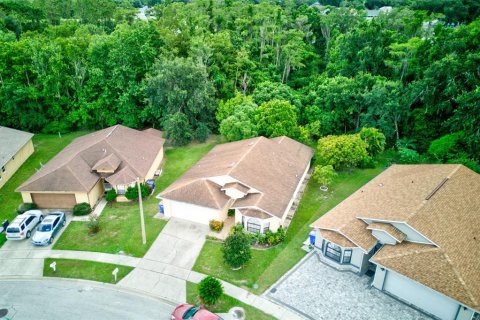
322, 292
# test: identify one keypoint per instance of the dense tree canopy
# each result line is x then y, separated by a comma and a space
202, 66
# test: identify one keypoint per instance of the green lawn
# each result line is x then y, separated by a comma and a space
226, 303
82, 269
120, 222
46, 146
267, 266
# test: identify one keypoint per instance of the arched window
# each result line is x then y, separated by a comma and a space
333, 251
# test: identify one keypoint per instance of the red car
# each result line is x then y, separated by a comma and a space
189, 311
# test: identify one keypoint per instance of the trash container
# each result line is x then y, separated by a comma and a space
311, 235
5, 224
160, 207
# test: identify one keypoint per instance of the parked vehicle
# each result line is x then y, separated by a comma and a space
189, 311
49, 228
23, 225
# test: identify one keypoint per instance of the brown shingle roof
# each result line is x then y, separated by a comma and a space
441, 202
11, 141
108, 163
254, 213
201, 192
337, 238
272, 166
237, 186
388, 228
71, 169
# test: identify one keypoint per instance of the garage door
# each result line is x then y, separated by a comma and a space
420, 296
54, 200
191, 212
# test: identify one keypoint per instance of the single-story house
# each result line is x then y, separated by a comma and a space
417, 227
110, 158
258, 178
15, 148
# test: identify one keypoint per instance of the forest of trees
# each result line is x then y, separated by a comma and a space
247, 68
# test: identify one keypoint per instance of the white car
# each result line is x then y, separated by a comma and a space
22, 226
49, 228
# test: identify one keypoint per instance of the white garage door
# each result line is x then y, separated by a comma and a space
191, 212
420, 296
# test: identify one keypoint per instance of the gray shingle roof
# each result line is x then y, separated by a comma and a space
11, 140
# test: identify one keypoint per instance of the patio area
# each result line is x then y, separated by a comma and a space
318, 291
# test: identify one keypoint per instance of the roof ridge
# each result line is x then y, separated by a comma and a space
209, 187
245, 154
73, 173
459, 277
122, 158
433, 248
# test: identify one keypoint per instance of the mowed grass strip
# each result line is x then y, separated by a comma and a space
225, 303
46, 147
83, 269
267, 266
120, 222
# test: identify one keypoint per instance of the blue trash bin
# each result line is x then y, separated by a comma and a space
311, 235
160, 207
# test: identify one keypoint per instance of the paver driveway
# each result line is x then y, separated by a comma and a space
321, 292
166, 265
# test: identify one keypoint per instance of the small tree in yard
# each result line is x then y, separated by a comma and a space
132, 192
236, 250
111, 195
324, 174
82, 209
210, 290
93, 224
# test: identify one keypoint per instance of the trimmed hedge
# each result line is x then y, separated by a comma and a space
82, 209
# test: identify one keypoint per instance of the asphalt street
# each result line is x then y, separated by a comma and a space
63, 299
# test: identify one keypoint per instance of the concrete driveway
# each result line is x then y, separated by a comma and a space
320, 292
72, 299
19, 257
175, 250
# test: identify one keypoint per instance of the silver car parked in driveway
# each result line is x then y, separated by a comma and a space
22, 226
49, 228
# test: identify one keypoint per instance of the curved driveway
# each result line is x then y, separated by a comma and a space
73, 299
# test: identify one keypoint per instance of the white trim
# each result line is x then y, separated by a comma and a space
255, 208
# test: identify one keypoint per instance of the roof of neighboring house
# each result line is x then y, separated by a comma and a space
398, 235
442, 203
72, 170
274, 167
12, 141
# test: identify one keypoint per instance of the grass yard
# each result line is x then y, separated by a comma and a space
120, 222
267, 266
226, 303
46, 147
82, 269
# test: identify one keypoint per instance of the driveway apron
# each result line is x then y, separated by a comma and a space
165, 267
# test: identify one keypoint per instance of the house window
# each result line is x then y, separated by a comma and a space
3, 169
476, 316
333, 251
266, 227
347, 256
120, 189
253, 225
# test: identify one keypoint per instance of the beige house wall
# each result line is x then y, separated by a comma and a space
96, 193
13, 164
26, 197
155, 165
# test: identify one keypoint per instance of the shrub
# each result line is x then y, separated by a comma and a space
25, 207
111, 195
93, 224
324, 175
132, 192
216, 225
281, 234
231, 212
408, 156
347, 150
236, 250
210, 290
375, 140
201, 132
445, 147
237, 228
82, 209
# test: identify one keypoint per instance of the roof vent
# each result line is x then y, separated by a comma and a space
381, 184
436, 188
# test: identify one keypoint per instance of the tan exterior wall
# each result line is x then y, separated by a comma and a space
155, 165
13, 164
81, 197
96, 193
26, 197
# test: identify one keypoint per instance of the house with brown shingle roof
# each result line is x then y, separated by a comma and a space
418, 228
110, 158
259, 178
